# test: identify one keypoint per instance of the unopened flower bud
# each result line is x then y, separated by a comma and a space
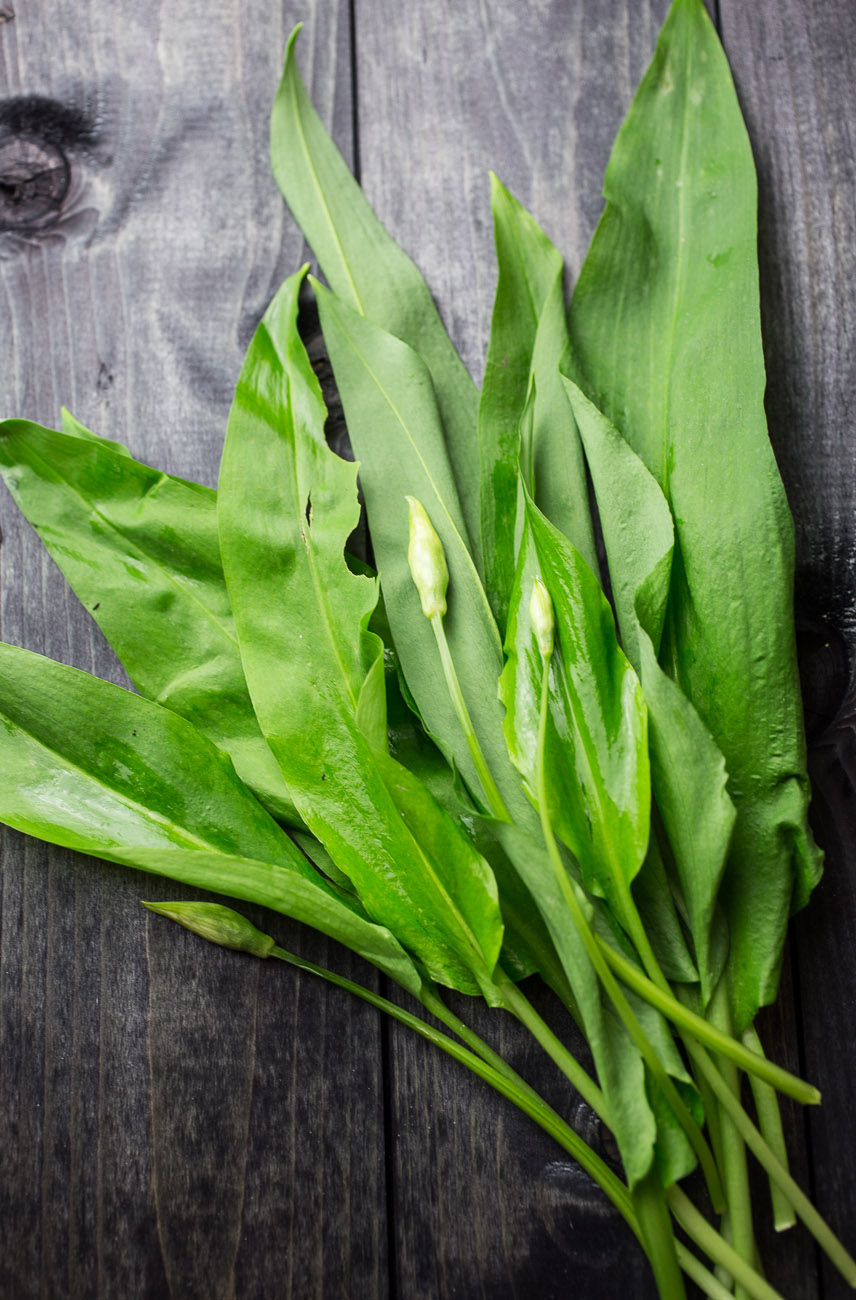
541, 614
427, 561
218, 924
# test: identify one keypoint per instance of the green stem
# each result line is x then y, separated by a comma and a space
708, 1239
506, 1082
735, 1177
816, 1225
652, 1212
494, 799
519, 1005
770, 1124
703, 1278
753, 1062
607, 979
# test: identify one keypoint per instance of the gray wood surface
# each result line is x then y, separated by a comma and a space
179, 1121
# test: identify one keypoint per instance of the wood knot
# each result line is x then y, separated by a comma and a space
34, 180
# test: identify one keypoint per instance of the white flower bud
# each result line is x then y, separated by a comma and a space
543, 620
427, 561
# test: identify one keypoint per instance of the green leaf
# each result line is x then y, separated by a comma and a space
598, 787
141, 550
687, 770
286, 506
395, 430
368, 270
396, 433
528, 335
75, 429
96, 768
665, 329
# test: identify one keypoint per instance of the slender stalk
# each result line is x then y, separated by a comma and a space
703, 1278
735, 1178
652, 1212
816, 1225
506, 1082
515, 1001
753, 1062
494, 799
708, 1239
607, 979
770, 1124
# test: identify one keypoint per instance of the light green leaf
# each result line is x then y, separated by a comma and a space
141, 550
598, 786
286, 506
527, 338
368, 270
665, 331
96, 768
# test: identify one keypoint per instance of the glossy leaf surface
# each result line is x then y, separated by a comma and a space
102, 771
596, 764
287, 505
688, 771
528, 336
368, 270
141, 551
665, 329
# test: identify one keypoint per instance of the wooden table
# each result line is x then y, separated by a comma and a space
177, 1120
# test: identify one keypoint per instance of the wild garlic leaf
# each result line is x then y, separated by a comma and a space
103, 771
141, 551
286, 506
528, 336
396, 433
687, 770
598, 781
368, 270
665, 331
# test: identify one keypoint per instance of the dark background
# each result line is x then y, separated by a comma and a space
180, 1121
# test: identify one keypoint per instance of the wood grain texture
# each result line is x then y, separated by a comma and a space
178, 1121
174, 1121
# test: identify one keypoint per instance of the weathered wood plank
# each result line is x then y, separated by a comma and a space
795, 69
173, 1120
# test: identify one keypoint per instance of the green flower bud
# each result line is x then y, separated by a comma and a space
543, 620
427, 561
218, 924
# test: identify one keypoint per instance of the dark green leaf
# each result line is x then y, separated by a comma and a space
665, 330
687, 770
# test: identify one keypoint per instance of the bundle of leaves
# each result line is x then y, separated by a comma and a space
453, 753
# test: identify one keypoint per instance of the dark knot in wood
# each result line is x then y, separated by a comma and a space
34, 180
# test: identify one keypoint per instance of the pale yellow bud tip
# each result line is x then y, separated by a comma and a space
427, 561
541, 614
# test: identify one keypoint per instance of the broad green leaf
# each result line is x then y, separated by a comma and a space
286, 506
395, 431
598, 788
96, 768
368, 270
141, 550
665, 329
687, 770
528, 335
